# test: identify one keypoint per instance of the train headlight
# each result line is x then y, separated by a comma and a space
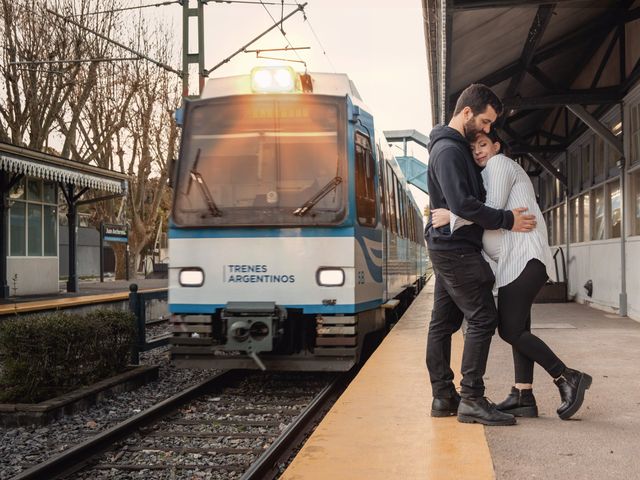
191, 277
273, 79
330, 277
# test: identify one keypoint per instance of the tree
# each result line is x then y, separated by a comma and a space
113, 115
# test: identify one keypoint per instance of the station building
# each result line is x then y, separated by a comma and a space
569, 76
31, 184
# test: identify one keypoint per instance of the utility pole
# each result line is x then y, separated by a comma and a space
192, 58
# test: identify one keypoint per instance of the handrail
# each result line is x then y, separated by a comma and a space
564, 267
138, 306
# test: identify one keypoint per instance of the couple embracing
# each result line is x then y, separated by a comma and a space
484, 209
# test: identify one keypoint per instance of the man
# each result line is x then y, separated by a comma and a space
464, 280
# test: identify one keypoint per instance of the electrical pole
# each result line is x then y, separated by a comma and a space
192, 58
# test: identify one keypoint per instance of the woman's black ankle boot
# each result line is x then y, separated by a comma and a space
572, 385
519, 403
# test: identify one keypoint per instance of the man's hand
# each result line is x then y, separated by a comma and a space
440, 217
522, 222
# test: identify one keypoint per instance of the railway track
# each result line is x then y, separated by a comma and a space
236, 424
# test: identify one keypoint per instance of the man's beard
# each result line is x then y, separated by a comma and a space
470, 130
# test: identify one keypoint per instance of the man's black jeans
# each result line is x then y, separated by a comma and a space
463, 289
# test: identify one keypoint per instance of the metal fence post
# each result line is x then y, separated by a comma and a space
136, 306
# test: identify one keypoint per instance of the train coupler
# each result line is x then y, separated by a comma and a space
252, 327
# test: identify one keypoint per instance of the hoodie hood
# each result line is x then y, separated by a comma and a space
444, 131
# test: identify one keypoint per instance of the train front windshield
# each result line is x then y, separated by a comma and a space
263, 160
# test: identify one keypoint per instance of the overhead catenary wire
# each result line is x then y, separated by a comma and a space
283, 32
79, 60
324, 52
104, 37
244, 47
115, 10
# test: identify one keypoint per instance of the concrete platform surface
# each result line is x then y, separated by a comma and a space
603, 440
381, 429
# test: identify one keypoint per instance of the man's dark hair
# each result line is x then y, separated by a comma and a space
478, 97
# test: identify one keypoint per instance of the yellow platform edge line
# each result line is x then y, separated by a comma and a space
68, 302
380, 428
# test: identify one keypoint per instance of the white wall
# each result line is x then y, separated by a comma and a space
599, 261
633, 277
36, 275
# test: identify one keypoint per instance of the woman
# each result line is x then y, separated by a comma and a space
521, 262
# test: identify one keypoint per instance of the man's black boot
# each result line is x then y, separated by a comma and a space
445, 406
481, 410
519, 403
572, 385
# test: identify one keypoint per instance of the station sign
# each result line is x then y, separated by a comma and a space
115, 233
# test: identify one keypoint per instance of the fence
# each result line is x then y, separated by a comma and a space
138, 305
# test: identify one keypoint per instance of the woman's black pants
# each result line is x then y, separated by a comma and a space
514, 325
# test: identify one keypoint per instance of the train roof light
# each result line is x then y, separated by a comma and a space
273, 79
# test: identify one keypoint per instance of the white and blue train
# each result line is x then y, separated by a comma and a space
292, 232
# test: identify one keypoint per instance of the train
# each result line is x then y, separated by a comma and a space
293, 236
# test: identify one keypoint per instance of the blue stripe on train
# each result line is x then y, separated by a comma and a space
259, 232
195, 308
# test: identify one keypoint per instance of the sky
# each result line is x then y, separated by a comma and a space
379, 44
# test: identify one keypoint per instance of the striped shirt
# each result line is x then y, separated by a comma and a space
508, 186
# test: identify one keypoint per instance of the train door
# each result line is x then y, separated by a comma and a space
368, 232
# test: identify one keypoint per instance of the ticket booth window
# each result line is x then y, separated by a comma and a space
33, 219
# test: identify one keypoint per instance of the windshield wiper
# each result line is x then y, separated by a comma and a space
309, 204
194, 174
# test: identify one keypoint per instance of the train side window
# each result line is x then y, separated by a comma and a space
391, 200
365, 182
384, 207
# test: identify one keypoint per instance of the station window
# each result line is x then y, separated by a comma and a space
575, 171
33, 219
585, 160
612, 155
365, 183
599, 159
635, 202
561, 222
634, 133
550, 227
574, 223
615, 224
597, 214
585, 215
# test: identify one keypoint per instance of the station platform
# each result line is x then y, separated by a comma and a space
89, 293
380, 428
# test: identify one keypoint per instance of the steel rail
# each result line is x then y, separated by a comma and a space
267, 464
79, 456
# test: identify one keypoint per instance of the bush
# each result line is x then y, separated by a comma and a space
48, 355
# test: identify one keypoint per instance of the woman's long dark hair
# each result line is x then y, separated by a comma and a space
494, 137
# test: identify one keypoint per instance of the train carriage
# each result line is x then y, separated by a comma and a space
293, 234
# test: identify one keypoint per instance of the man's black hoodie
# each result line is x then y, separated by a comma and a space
455, 183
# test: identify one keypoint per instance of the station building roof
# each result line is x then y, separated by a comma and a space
539, 57
21, 160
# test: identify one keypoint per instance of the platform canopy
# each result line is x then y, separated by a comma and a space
32, 229
19, 160
541, 58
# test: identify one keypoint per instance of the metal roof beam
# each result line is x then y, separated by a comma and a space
548, 166
593, 123
542, 78
594, 96
525, 148
536, 31
482, 4
588, 33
